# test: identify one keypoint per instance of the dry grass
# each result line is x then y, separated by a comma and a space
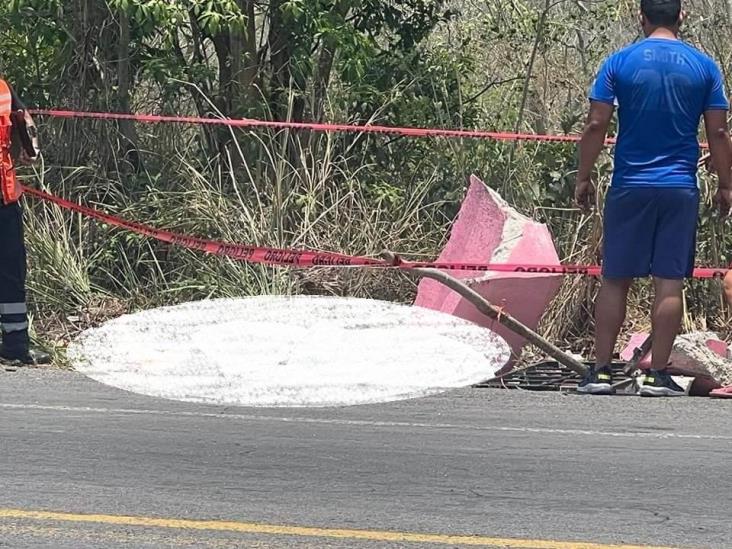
83, 272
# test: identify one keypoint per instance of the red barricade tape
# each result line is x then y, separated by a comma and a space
350, 128
319, 127
310, 258
242, 252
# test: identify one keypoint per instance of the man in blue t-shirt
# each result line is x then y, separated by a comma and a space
661, 87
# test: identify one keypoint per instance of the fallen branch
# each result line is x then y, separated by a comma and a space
631, 368
497, 314
638, 354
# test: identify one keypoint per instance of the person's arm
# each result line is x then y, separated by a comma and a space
590, 147
602, 104
17, 105
716, 107
26, 130
720, 148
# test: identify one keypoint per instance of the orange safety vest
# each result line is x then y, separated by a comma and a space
11, 189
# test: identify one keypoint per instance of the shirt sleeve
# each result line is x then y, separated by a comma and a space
17, 103
603, 88
716, 98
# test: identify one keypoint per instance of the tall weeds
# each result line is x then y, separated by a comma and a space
277, 189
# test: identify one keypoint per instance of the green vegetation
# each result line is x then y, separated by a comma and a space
514, 65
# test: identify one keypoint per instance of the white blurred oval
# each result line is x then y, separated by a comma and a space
279, 351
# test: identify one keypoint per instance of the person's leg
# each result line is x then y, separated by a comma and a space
13, 311
630, 218
668, 308
728, 287
674, 251
610, 310
627, 245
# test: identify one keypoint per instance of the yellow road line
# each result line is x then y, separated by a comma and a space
309, 532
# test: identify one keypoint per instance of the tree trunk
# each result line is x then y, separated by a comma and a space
281, 42
324, 67
200, 96
244, 63
285, 84
322, 81
124, 84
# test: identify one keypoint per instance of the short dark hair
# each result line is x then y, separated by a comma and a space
664, 13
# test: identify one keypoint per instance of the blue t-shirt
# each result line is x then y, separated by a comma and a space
661, 88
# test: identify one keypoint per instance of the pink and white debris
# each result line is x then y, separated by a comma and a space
488, 230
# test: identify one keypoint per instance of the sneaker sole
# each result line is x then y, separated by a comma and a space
660, 392
10, 365
18, 363
596, 389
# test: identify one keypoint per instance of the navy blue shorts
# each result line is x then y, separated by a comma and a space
650, 231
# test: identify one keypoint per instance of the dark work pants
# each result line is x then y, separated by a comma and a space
13, 311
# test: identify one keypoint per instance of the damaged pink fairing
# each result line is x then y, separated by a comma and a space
488, 230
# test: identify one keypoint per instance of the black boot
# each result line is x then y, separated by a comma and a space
31, 357
16, 351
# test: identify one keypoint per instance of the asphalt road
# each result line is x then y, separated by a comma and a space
83, 465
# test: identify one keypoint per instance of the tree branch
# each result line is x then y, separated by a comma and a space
487, 308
